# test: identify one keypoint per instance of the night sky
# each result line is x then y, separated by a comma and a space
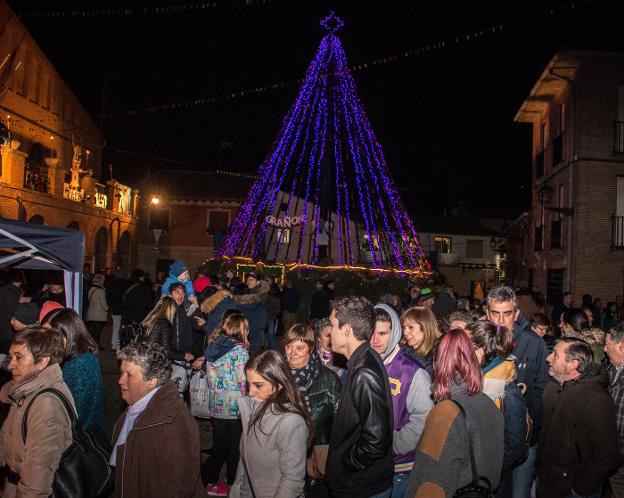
445, 118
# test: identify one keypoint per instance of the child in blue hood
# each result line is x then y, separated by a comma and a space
178, 272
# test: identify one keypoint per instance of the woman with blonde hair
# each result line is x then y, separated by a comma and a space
158, 327
225, 359
420, 334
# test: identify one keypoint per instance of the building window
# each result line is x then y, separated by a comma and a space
555, 234
442, 244
159, 219
538, 239
618, 142
618, 219
218, 221
474, 248
283, 235
530, 278
554, 286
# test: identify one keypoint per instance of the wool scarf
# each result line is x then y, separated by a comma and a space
304, 377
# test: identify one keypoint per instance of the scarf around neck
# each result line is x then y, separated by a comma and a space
304, 377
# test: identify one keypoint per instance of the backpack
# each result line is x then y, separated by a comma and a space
480, 486
83, 469
529, 429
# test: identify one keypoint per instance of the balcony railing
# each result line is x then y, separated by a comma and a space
617, 232
35, 177
448, 258
539, 165
618, 137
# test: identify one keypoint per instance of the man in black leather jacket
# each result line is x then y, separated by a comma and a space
360, 461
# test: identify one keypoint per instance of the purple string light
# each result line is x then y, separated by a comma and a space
327, 110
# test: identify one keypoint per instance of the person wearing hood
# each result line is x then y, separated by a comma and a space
240, 299
224, 363
578, 445
410, 386
178, 273
530, 355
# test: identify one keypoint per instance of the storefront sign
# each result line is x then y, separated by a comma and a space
285, 222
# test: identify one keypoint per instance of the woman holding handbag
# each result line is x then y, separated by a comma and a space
320, 389
224, 363
276, 431
463, 420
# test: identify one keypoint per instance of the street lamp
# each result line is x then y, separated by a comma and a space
545, 193
155, 200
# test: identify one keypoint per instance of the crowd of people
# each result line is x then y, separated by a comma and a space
425, 396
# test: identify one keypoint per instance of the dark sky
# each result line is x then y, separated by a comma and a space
445, 119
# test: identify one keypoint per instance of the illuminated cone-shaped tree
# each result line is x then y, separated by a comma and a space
324, 193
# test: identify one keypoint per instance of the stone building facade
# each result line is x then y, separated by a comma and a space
50, 157
574, 235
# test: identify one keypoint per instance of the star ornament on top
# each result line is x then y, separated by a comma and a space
332, 22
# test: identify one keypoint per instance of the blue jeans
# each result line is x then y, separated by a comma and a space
399, 484
383, 494
524, 475
271, 334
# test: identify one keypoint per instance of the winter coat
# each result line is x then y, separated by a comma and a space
274, 453
162, 333
98, 307
290, 300
182, 333
578, 444
9, 297
273, 307
324, 396
360, 461
531, 368
425, 361
500, 385
250, 305
84, 380
320, 305
136, 303
227, 383
616, 389
161, 454
114, 295
173, 279
48, 433
442, 463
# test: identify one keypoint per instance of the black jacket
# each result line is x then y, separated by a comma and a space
320, 307
324, 396
182, 334
114, 295
532, 369
9, 297
360, 461
161, 333
136, 303
578, 446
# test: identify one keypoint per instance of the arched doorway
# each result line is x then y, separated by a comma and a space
37, 219
74, 225
101, 249
123, 252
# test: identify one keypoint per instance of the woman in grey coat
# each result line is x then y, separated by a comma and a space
276, 432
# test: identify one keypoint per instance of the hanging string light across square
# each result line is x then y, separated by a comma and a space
324, 194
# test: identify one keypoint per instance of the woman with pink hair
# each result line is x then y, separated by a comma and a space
461, 413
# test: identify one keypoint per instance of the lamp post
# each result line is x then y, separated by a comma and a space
545, 193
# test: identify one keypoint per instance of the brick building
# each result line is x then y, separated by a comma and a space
574, 234
50, 158
193, 212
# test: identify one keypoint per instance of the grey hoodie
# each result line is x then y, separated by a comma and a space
418, 400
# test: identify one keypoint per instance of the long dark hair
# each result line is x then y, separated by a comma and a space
286, 397
79, 341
